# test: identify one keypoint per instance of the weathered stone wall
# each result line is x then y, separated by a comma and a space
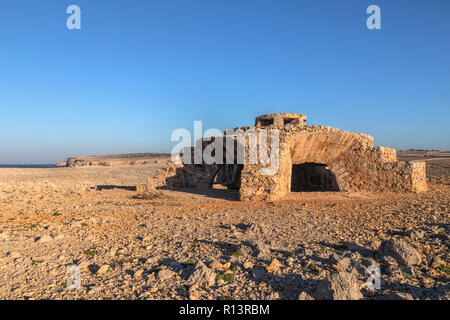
256, 185
280, 120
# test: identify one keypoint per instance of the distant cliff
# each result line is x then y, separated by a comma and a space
133, 159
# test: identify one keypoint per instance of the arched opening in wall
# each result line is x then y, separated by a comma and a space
310, 176
265, 122
228, 177
289, 122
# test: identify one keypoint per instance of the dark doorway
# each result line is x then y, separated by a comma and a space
229, 176
311, 176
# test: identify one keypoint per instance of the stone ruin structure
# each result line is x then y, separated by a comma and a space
310, 158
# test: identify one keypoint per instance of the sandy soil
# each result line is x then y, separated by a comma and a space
135, 246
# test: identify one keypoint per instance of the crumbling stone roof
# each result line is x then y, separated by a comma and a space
278, 120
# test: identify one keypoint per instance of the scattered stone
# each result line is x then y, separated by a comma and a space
103, 269
43, 239
165, 274
256, 229
59, 237
339, 286
416, 234
262, 250
340, 262
290, 261
246, 250
305, 296
201, 276
226, 266
375, 244
216, 265
273, 296
13, 255
401, 251
139, 273
436, 262
337, 267
153, 290
398, 296
248, 265
94, 290
194, 295
151, 260
274, 266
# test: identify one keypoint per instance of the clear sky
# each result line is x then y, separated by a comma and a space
137, 70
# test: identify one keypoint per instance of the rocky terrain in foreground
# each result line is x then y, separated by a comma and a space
188, 244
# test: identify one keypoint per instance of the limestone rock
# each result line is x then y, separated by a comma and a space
138, 273
262, 250
398, 296
417, 234
274, 266
201, 276
401, 251
341, 262
165, 274
216, 265
305, 296
44, 239
103, 269
339, 286
256, 228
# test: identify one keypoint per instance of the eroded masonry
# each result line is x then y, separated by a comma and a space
310, 158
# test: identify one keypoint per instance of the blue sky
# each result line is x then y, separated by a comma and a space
137, 70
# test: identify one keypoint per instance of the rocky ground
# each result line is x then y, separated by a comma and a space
188, 244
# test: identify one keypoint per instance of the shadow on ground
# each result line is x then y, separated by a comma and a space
224, 194
111, 187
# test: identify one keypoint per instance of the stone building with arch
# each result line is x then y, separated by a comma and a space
309, 158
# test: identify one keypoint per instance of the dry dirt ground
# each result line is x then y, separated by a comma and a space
135, 246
